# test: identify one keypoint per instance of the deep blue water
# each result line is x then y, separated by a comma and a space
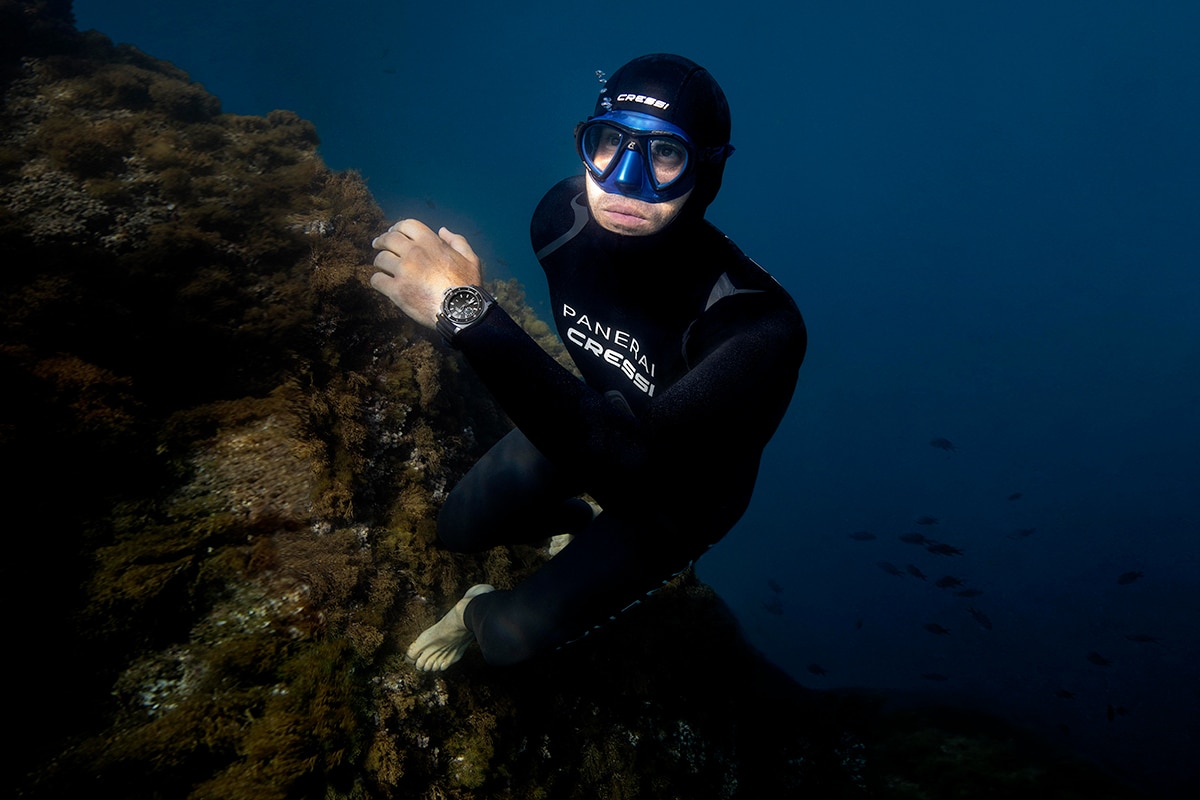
990, 216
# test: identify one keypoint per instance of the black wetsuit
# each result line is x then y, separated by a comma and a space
690, 353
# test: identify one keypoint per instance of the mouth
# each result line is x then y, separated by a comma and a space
625, 212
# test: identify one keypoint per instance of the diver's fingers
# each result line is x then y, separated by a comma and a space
410, 248
387, 241
388, 285
403, 236
459, 243
394, 241
381, 282
413, 228
388, 261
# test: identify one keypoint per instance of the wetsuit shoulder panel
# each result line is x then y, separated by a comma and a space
561, 215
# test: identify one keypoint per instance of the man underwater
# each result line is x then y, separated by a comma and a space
688, 349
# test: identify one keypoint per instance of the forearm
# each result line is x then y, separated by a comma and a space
564, 417
720, 413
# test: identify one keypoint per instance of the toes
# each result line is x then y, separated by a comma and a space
437, 656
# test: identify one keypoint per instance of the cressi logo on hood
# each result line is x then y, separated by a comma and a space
672, 88
653, 102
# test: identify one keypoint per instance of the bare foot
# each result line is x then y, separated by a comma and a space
444, 642
557, 543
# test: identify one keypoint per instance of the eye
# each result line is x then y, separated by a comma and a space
666, 152
601, 144
669, 159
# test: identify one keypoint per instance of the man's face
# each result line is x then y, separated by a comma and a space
628, 216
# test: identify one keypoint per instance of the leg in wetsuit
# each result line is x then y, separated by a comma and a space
514, 494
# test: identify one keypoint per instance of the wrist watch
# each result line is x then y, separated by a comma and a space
462, 307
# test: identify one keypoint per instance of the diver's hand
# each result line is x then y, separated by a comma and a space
417, 266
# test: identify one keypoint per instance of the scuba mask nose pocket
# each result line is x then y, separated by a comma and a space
653, 162
631, 169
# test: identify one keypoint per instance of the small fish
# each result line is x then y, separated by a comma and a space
1098, 660
915, 571
942, 443
948, 582
934, 628
926, 519
862, 536
943, 549
1063, 694
981, 618
1022, 533
858, 624
1143, 638
916, 538
890, 568
774, 586
1112, 713
1126, 578
1014, 496
817, 669
773, 606
934, 676
968, 593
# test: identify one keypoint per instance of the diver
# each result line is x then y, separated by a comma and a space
689, 353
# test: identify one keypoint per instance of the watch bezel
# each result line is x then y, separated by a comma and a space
450, 309
447, 325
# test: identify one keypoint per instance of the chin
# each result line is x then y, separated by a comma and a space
628, 216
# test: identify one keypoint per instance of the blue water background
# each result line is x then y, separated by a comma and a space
989, 214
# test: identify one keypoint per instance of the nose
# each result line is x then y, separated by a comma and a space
630, 169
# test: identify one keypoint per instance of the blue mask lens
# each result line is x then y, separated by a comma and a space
638, 156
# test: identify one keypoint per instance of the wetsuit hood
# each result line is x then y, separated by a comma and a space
681, 92
653, 263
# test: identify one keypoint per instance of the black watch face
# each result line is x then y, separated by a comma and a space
463, 305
